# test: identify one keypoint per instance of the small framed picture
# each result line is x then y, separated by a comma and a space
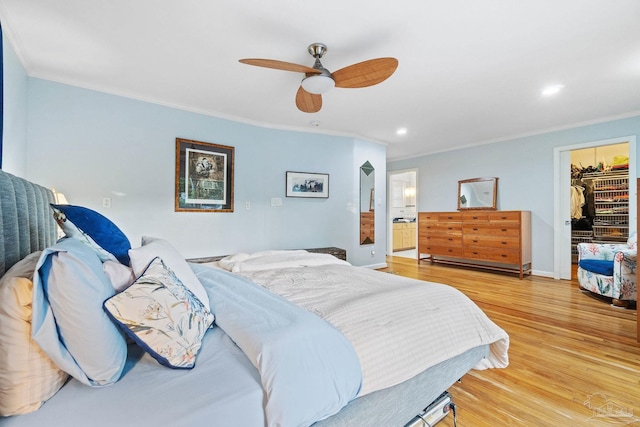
204, 177
307, 184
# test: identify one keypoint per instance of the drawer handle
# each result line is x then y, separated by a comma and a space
475, 229
475, 217
450, 228
475, 241
504, 229
475, 253
504, 243
503, 256
450, 239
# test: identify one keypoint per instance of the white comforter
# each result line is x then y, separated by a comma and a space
398, 326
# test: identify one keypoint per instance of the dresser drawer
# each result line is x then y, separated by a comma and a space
505, 256
449, 217
475, 217
427, 216
442, 240
442, 250
504, 216
439, 229
491, 241
489, 229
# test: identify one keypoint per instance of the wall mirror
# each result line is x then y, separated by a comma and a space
478, 193
367, 203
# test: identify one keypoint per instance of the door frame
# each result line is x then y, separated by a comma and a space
561, 194
389, 202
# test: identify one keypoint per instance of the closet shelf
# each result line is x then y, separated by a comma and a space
611, 205
607, 174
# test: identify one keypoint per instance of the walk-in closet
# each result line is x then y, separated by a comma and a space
599, 195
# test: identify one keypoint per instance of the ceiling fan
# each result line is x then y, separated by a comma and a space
319, 80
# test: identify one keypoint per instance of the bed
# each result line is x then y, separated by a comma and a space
276, 338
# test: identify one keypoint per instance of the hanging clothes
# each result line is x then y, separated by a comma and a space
589, 208
577, 201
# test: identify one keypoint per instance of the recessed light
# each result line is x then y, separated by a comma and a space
401, 131
552, 90
314, 123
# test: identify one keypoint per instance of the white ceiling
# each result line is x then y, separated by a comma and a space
471, 71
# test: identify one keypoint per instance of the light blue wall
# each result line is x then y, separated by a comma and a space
14, 145
90, 145
524, 167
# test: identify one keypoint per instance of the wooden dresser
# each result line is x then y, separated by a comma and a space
497, 240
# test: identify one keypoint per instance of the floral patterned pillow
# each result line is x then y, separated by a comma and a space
162, 315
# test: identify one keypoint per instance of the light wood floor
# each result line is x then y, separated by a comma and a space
566, 348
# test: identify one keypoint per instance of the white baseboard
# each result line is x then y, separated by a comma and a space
375, 266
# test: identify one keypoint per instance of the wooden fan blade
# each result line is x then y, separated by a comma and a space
280, 65
367, 73
308, 102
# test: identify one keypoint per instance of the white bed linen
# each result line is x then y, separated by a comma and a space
398, 326
276, 259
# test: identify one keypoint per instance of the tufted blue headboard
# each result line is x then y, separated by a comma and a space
26, 220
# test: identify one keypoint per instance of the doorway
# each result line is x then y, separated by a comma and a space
563, 256
402, 213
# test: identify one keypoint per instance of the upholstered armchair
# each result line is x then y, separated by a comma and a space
609, 270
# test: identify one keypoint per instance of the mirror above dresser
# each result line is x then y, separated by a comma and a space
478, 193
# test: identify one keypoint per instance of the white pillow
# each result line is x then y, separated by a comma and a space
120, 275
27, 376
153, 247
229, 261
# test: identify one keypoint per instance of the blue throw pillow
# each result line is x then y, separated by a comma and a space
598, 266
95, 230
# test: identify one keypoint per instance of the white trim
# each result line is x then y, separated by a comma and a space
573, 125
375, 266
203, 111
558, 192
542, 273
389, 225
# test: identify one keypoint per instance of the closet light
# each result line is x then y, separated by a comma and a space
401, 131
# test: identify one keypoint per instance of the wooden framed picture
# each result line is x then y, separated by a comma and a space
204, 177
306, 184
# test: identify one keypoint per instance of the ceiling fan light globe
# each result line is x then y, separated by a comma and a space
318, 84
